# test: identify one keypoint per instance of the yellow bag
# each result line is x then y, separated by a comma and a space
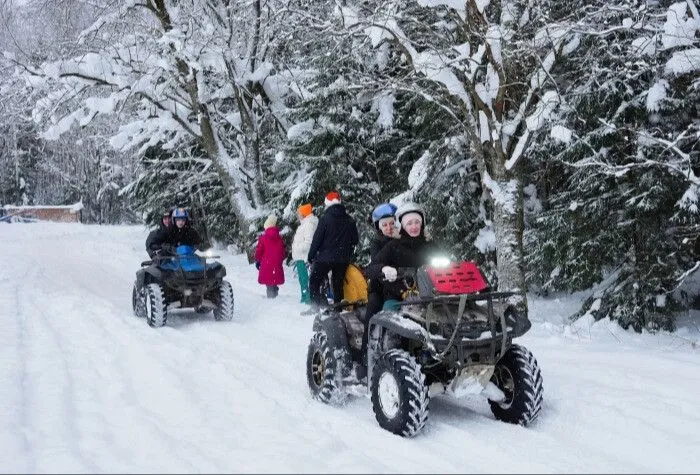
354, 284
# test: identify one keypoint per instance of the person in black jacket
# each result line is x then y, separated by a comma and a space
412, 250
159, 235
331, 249
384, 223
182, 233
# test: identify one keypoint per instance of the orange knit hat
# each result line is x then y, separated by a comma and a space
305, 210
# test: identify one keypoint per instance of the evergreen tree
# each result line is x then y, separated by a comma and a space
183, 179
625, 166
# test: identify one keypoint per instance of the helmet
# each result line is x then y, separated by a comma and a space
180, 213
384, 210
409, 207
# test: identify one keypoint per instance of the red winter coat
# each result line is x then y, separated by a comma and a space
270, 253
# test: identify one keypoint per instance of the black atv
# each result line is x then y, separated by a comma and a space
182, 280
447, 336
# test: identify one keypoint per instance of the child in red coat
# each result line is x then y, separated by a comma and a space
269, 257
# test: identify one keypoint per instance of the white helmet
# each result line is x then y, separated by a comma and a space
409, 207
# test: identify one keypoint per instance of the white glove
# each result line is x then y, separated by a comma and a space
390, 273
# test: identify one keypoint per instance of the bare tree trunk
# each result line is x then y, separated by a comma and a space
207, 136
508, 228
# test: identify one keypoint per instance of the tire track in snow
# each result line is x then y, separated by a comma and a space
160, 438
53, 390
61, 381
13, 358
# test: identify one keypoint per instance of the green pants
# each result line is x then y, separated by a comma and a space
303, 275
391, 304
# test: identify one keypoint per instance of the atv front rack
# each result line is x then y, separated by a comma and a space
462, 301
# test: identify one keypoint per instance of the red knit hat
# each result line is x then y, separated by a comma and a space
332, 198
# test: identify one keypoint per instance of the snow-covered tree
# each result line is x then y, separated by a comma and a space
182, 179
489, 63
77, 168
621, 164
171, 73
354, 130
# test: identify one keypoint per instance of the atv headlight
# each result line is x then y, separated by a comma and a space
208, 253
439, 261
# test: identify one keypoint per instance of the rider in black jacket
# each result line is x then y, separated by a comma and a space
383, 220
158, 236
332, 248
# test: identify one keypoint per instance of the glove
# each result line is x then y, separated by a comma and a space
390, 273
167, 248
257, 265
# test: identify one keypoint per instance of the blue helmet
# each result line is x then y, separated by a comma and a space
180, 213
384, 210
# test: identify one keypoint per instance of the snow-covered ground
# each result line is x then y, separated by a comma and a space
85, 386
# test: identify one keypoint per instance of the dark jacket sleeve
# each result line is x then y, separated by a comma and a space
379, 260
355, 236
319, 234
155, 239
376, 245
190, 237
195, 238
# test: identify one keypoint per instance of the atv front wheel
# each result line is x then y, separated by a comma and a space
138, 303
399, 393
156, 311
324, 367
224, 307
518, 376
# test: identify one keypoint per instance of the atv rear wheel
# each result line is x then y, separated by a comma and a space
224, 303
399, 393
156, 312
518, 376
138, 303
324, 368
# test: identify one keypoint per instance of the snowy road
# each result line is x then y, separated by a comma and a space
85, 386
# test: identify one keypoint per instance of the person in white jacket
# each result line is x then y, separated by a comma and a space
300, 247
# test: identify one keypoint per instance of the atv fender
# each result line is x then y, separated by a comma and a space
154, 272
337, 338
216, 270
334, 328
400, 325
392, 322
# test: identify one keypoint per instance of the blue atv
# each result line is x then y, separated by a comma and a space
183, 280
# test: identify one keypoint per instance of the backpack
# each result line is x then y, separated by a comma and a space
354, 284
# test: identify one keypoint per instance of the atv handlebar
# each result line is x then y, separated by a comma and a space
157, 259
402, 273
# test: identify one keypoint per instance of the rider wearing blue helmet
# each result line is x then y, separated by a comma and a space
182, 233
383, 220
